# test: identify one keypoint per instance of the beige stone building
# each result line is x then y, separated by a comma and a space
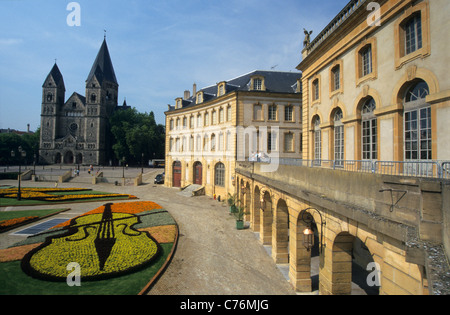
376, 84
254, 116
376, 101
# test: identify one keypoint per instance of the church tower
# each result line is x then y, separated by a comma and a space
101, 100
77, 131
53, 94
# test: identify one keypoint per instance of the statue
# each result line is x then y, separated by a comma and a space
307, 37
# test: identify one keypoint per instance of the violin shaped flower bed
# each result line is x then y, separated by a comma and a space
114, 241
58, 194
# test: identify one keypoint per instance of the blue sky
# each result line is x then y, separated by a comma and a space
159, 48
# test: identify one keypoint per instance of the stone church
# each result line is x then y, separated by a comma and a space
77, 131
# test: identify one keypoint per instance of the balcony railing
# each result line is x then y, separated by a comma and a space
428, 169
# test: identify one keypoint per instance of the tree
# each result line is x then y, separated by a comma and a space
136, 134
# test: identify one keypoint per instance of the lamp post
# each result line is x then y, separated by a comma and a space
308, 234
22, 154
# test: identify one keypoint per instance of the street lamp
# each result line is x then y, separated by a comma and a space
22, 154
308, 234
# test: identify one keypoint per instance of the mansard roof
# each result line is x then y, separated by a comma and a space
56, 75
103, 68
274, 81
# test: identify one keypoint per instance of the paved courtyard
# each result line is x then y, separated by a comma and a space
212, 257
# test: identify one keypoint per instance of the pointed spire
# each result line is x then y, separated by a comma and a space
103, 65
56, 75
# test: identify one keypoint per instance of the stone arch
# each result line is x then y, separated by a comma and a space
303, 277
280, 248
347, 275
266, 218
68, 157
411, 74
248, 202
256, 213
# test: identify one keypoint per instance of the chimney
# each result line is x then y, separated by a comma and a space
28, 128
187, 94
194, 89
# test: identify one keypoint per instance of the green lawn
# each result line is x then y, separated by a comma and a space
15, 282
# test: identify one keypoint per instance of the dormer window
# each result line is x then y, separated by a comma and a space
221, 89
200, 98
178, 103
257, 83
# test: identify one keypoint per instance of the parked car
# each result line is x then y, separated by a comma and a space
159, 179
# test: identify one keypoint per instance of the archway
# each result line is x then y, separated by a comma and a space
247, 202
281, 236
256, 210
198, 173
266, 219
176, 174
350, 260
68, 157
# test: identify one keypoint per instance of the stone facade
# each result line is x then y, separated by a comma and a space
206, 133
76, 131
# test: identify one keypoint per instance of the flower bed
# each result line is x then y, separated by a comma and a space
104, 242
7, 224
44, 194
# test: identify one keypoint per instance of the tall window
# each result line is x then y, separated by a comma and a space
338, 138
288, 142
213, 142
315, 86
413, 34
336, 84
288, 113
418, 136
369, 130
317, 141
257, 112
219, 175
366, 61
272, 112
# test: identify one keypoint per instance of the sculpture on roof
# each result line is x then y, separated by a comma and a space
307, 37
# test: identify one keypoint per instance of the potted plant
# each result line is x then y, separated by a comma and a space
231, 201
239, 214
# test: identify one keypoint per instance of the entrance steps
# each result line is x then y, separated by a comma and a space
191, 191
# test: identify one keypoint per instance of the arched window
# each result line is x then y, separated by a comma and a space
338, 138
417, 118
369, 130
219, 175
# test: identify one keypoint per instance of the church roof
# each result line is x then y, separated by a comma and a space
103, 68
56, 75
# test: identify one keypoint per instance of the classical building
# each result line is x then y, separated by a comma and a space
255, 116
376, 85
76, 130
372, 193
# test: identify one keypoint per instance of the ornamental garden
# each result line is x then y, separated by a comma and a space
119, 248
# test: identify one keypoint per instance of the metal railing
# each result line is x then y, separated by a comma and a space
428, 169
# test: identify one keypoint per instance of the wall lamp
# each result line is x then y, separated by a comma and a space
308, 234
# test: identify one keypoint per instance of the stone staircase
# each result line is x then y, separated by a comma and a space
191, 191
